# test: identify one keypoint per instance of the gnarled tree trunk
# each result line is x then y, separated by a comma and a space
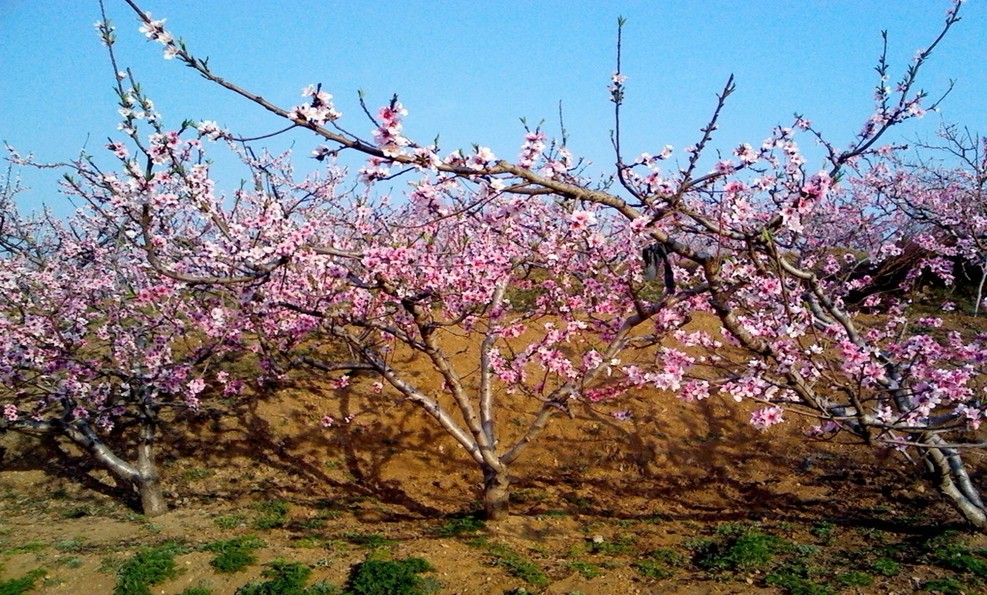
953, 482
496, 494
143, 476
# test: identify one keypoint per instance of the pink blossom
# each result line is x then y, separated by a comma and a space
211, 130
694, 390
581, 220
763, 419
10, 412
592, 360
195, 386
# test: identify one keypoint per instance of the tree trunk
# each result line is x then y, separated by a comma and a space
980, 288
496, 494
143, 476
148, 481
953, 482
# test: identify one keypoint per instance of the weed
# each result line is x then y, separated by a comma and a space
885, 566
32, 547
659, 563
234, 555
196, 473
655, 518
823, 530
309, 524
71, 562
586, 569
517, 565
652, 569
368, 540
389, 577
110, 565
286, 578
797, 585
16, 586
668, 556
308, 542
946, 552
230, 521
528, 496
553, 513
620, 545
945, 586
739, 548
149, 566
77, 512
458, 526
69, 545
854, 578
273, 515
578, 501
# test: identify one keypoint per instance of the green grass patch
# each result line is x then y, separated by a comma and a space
17, 586
32, 547
196, 473
885, 567
390, 577
517, 565
459, 526
230, 521
621, 545
798, 581
945, 586
950, 552
70, 545
149, 566
370, 541
233, 555
286, 578
854, 578
586, 569
652, 569
273, 515
736, 548
660, 563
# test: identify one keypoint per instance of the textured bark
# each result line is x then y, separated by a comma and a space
496, 494
143, 476
148, 482
953, 482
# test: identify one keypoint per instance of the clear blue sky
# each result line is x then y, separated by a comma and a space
469, 74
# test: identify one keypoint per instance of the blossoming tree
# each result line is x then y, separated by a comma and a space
94, 345
547, 295
940, 194
774, 250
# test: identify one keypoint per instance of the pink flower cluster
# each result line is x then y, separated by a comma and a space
318, 111
387, 136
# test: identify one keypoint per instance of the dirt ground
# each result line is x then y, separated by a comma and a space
592, 499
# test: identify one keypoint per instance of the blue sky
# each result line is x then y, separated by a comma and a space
469, 74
